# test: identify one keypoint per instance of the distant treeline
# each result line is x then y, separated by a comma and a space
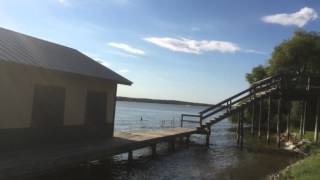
160, 101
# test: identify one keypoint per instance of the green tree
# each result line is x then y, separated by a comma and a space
257, 73
299, 54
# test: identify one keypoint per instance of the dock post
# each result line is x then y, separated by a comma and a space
278, 120
172, 144
302, 120
180, 140
181, 120
200, 121
238, 128
188, 141
269, 117
154, 150
316, 126
208, 137
253, 117
288, 125
241, 131
260, 118
130, 156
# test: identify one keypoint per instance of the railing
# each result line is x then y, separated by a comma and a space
182, 120
250, 93
303, 82
227, 105
169, 123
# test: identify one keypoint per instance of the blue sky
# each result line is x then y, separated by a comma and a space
171, 49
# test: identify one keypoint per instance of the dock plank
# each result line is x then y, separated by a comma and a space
146, 135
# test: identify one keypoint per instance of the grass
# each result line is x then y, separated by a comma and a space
305, 169
309, 135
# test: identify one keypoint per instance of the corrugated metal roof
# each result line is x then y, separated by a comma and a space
24, 49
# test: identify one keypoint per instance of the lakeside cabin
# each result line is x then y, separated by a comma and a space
51, 93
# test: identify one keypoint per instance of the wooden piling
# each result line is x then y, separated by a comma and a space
238, 128
130, 156
154, 150
180, 139
316, 126
241, 131
288, 125
269, 117
200, 121
260, 117
252, 118
188, 141
278, 120
303, 119
172, 145
208, 137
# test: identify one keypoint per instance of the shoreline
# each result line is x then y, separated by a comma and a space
304, 168
161, 101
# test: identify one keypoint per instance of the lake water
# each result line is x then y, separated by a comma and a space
137, 116
222, 160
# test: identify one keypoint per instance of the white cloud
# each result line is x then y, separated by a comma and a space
126, 48
193, 46
300, 18
64, 2
121, 2
98, 59
123, 71
103, 62
123, 54
195, 29
254, 51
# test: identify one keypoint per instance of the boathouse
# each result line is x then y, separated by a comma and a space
52, 93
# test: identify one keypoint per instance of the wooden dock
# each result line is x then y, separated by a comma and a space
38, 160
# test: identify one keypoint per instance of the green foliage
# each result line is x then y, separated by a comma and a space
234, 118
300, 54
295, 112
258, 73
305, 169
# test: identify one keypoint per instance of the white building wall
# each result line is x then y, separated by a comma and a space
16, 94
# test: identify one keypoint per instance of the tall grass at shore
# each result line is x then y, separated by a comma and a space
305, 169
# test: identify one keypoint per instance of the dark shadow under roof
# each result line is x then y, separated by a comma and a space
23, 49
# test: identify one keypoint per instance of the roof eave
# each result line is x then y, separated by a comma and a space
125, 82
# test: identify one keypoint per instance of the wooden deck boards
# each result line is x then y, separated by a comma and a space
156, 134
44, 159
